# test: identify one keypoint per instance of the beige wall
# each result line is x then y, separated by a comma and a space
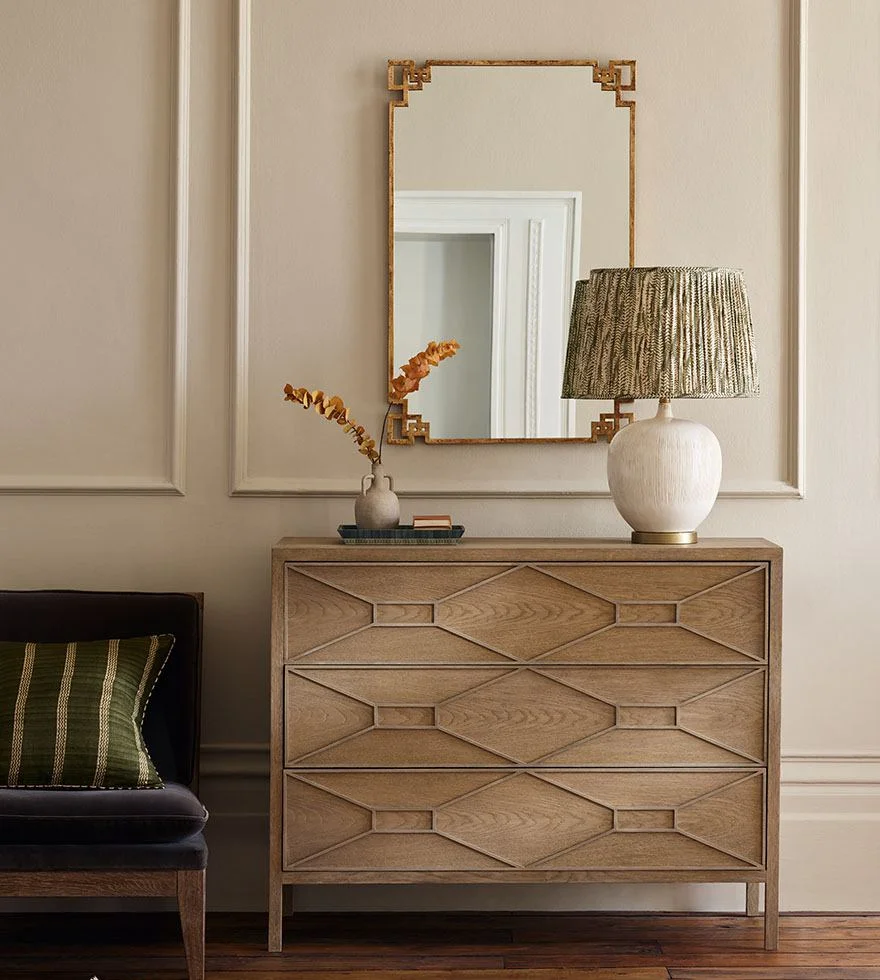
87, 381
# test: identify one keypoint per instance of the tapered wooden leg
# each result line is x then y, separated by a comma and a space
753, 893
771, 912
191, 905
276, 912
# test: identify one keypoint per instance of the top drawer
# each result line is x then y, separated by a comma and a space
555, 612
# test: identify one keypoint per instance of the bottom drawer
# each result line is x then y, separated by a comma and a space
523, 819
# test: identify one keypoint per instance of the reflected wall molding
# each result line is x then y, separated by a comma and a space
173, 482
533, 321
791, 486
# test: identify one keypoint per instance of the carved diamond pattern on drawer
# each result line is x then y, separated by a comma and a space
633, 582
534, 819
712, 819
426, 686
322, 718
560, 715
396, 582
525, 716
318, 613
412, 790
412, 645
340, 821
647, 644
525, 613
648, 790
648, 685
522, 820
649, 850
732, 614
732, 716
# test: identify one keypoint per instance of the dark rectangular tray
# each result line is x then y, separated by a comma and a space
404, 534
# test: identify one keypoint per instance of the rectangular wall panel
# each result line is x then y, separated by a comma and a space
291, 213
93, 211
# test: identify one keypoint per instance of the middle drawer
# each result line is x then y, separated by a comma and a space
560, 716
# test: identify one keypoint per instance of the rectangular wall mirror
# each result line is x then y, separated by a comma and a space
508, 181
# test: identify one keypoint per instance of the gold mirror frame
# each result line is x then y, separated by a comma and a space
618, 76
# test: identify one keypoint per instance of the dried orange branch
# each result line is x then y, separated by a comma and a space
418, 367
333, 408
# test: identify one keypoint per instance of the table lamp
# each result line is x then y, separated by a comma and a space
662, 333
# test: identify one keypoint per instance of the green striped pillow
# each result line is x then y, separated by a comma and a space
71, 713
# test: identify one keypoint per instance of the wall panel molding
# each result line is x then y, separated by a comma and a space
240, 481
792, 486
796, 340
173, 481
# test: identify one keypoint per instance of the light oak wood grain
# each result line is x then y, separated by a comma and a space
507, 875
753, 899
629, 747
650, 583
389, 821
405, 716
637, 716
733, 613
733, 716
731, 819
525, 715
414, 645
645, 820
659, 644
376, 789
647, 613
523, 818
650, 790
526, 710
747, 550
400, 613
525, 613
316, 613
388, 581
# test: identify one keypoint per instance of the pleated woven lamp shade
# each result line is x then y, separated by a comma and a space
666, 332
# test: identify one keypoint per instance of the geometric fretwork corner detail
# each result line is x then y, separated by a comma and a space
405, 77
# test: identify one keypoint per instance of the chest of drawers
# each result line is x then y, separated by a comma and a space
525, 711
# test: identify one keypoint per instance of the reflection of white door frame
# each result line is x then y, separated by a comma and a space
552, 223
499, 232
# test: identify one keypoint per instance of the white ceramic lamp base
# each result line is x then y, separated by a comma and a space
664, 474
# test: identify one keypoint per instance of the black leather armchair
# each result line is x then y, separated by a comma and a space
110, 843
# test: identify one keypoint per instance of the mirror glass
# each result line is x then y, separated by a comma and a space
508, 182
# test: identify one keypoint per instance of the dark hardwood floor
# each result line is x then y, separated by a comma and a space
440, 946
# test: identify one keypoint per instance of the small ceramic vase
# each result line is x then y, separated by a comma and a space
377, 506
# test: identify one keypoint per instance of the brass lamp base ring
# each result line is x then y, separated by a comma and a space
664, 537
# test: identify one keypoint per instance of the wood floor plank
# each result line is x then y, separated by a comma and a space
753, 960
445, 946
781, 973
680, 945
541, 961
650, 973
291, 961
